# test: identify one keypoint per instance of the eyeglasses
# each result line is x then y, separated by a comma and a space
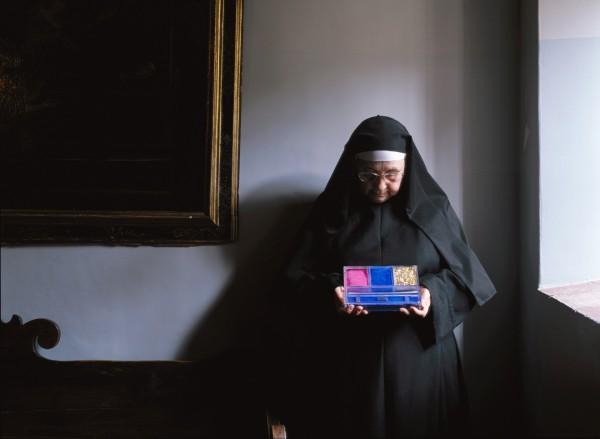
370, 176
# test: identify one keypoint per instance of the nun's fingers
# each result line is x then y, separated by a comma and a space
404, 311
425, 304
358, 310
349, 309
419, 312
425, 307
425, 295
339, 299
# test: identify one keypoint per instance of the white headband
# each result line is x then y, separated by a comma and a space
380, 155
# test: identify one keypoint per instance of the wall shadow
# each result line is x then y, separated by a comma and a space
270, 217
490, 210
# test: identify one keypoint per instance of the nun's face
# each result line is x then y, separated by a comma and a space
380, 181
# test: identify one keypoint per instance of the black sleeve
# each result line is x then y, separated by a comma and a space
310, 277
465, 265
450, 301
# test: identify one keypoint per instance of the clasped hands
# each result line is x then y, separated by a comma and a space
359, 310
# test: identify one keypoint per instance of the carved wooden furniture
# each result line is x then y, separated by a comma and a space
42, 398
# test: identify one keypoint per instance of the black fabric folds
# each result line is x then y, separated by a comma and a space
424, 201
383, 375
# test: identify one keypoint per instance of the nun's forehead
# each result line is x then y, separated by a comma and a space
388, 164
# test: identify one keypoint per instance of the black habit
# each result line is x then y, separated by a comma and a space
382, 375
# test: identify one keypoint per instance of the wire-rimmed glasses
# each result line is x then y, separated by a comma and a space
370, 176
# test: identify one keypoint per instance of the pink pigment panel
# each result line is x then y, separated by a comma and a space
357, 278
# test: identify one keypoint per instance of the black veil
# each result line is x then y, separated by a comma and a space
423, 200
311, 346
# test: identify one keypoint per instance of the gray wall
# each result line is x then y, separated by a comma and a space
559, 348
312, 70
569, 110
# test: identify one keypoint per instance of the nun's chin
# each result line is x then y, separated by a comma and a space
379, 199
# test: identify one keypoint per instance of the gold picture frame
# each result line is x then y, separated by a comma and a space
201, 207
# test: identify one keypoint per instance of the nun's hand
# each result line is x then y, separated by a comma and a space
425, 304
347, 309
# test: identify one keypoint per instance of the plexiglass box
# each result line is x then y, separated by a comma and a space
382, 288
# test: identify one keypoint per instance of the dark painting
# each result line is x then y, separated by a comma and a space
106, 105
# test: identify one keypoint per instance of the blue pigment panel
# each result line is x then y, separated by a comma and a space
382, 275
